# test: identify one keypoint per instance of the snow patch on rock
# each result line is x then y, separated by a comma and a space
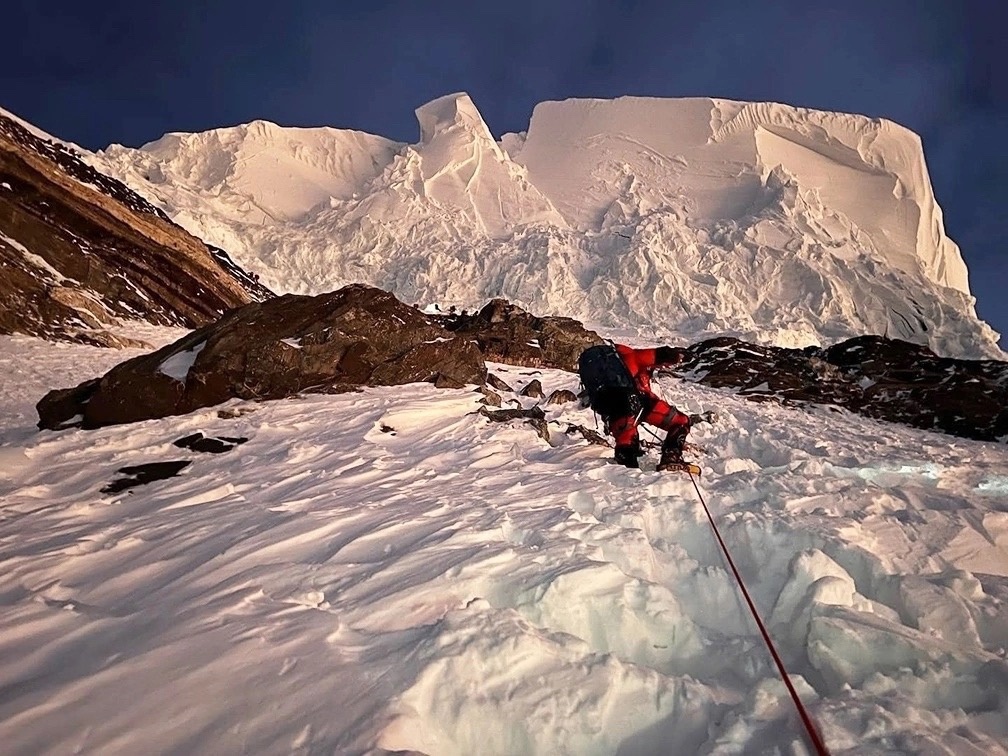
177, 366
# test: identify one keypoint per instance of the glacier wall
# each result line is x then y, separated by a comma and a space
586, 155
650, 219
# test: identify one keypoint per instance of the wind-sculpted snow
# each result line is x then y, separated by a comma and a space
462, 167
262, 172
390, 571
669, 219
872, 170
594, 157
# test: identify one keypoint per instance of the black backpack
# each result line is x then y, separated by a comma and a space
610, 387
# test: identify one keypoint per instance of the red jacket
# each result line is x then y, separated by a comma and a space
642, 362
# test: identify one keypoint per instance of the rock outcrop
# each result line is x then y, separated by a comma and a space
362, 336
887, 379
336, 342
79, 251
507, 333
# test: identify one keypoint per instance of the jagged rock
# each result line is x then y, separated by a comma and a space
507, 333
79, 250
534, 416
887, 379
533, 390
592, 437
490, 398
497, 383
541, 428
501, 416
357, 336
561, 396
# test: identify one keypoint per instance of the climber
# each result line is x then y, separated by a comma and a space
617, 381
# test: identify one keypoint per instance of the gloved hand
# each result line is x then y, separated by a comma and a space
670, 355
702, 417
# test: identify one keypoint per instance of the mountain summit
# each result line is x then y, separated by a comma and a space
463, 169
654, 218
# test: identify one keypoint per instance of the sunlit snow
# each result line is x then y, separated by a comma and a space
660, 218
389, 570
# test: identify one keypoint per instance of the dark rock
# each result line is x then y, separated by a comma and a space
494, 382
199, 443
139, 475
561, 396
533, 390
541, 428
507, 333
490, 398
534, 416
591, 436
887, 379
702, 417
501, 416
357, 336
64, 408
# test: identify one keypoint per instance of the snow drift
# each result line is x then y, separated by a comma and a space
655, 218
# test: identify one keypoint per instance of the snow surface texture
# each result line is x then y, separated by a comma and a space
661, 218
388, 570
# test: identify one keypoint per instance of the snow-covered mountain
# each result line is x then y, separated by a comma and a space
652, 218
390, 570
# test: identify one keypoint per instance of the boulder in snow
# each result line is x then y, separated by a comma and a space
357, 336
507, 333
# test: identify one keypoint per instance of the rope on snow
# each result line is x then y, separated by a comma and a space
817, 742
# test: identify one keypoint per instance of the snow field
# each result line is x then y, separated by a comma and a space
388, 570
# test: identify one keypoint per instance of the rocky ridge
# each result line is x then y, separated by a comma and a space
79, 251
887, 379
357, 336
363, 336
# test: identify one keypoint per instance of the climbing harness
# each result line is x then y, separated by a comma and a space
817, 742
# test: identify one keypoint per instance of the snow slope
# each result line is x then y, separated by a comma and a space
387, 570
667, 219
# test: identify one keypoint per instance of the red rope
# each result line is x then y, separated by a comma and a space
806, 718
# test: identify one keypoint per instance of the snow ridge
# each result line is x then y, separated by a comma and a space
650, 218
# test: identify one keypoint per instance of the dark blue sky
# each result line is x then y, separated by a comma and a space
96, 73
